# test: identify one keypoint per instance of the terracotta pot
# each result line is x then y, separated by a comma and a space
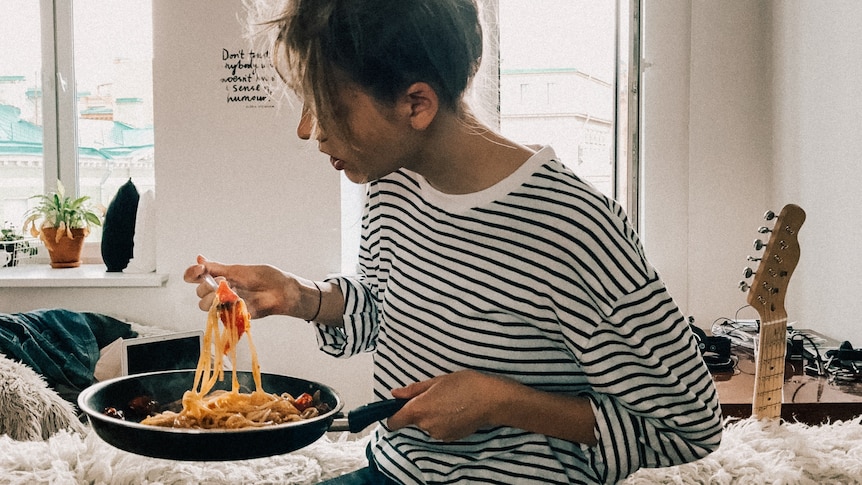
65, 253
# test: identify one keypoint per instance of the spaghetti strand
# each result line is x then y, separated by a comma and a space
204, 408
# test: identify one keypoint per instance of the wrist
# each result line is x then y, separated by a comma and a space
506, 398
321, 303
316, 302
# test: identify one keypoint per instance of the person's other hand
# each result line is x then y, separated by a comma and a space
451, 406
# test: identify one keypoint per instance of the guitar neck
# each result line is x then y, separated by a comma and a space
766, 295
769, 374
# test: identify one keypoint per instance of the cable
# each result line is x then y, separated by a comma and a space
820, 370
727, 327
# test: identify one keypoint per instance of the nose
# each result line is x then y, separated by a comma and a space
306, 124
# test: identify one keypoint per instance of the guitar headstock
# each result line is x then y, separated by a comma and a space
780, 256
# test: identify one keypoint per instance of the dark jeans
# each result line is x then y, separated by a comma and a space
369, 475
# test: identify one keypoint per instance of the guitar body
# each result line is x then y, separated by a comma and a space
766, 295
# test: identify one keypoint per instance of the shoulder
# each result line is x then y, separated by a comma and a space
553, 185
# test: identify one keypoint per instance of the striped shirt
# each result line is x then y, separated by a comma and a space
540, 279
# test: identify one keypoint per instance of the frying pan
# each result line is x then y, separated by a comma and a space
215, 444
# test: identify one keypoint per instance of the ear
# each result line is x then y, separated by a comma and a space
421, 105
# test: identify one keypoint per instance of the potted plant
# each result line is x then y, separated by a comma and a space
14, 246
62, 223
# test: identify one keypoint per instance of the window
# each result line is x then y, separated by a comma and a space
559, 70
21, 160
563, 76
75, 99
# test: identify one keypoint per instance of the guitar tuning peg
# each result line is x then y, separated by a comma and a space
769, 215
758, 244
764, 230
747, 272
743, 286
752, 258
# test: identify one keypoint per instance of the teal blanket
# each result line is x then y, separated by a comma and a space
61, 345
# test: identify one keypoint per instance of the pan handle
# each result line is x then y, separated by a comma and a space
363, 416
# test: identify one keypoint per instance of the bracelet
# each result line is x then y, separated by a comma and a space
319, 301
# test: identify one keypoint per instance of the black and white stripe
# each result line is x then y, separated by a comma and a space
539, 279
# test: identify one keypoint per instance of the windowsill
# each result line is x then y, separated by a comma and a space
84, 276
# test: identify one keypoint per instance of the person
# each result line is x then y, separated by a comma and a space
506, 298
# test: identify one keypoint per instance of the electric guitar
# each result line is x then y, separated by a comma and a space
766, 295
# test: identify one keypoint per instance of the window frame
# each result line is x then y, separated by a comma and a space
59, 107
627, 182
627, 167
60, 156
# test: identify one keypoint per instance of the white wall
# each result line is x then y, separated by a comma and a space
664, 171
706, 148
737, 119
750, 105
817, 154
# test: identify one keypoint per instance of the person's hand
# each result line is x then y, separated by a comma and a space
266, 289
451, 406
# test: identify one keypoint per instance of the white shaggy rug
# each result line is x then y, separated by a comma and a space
761, 452
752, 452
73, 458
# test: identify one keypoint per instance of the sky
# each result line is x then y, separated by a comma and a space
558, 33
104, 30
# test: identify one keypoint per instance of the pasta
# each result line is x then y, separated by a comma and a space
220, 409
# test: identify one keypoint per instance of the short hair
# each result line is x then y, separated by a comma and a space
383, 46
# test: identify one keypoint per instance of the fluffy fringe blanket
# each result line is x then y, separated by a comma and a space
29, 410
752, 452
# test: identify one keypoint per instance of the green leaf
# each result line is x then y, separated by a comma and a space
93, 219
57, 210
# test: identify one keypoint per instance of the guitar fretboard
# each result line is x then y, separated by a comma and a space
769, 375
